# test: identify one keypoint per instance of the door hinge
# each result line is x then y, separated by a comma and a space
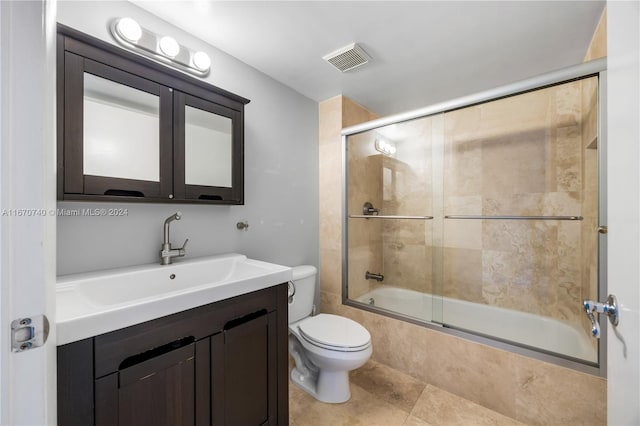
29, 333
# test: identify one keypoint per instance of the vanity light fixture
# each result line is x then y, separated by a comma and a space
163, 48
201, 61
385, 147
129, 29
169, 46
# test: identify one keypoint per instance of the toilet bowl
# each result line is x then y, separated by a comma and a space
325, 347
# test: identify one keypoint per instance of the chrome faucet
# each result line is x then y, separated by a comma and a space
371, 276
167, 253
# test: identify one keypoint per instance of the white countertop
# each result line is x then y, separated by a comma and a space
93, 303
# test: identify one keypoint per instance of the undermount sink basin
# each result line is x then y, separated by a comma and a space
89, 304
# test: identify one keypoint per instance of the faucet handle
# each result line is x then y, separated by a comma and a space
181, 251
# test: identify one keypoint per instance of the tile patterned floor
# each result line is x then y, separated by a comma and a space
382, 396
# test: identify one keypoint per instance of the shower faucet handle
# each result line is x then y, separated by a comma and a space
609, 308
369, 210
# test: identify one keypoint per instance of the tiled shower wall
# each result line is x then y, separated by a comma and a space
526, 389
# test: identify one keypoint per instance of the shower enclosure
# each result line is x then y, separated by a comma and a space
480, 216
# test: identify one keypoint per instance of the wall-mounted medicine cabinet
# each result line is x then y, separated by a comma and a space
131, 129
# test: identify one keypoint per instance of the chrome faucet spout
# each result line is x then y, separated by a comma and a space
175, 216
371, 276
167, 253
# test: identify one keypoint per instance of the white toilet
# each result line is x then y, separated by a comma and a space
324, 347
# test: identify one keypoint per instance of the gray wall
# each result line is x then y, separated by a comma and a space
281, 173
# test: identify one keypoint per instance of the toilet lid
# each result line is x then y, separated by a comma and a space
333, 331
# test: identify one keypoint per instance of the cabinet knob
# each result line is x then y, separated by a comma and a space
170, 196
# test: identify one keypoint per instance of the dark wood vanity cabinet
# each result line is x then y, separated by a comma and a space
131, 129
219, 364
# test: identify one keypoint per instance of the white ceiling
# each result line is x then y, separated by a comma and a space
422, 52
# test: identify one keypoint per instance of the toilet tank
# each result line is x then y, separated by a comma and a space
304, 280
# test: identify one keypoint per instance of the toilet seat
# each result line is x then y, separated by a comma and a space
335, 333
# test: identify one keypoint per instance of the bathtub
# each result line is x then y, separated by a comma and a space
506, 324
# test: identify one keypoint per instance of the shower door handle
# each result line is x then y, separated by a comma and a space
609, 308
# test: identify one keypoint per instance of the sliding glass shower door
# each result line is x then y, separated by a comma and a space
390, 214
483, 218
520, 218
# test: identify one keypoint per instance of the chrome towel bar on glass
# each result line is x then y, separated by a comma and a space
362, 216
514, 217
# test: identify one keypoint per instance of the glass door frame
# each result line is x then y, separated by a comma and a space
588, 69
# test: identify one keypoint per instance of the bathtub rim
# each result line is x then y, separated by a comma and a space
584, 344
494, 342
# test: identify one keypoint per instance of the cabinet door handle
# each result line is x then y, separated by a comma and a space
210, 197
124, 193
245, 319
156, 352
150, 367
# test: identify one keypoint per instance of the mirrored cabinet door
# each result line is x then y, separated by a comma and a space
208, 150
121, 131
118, 126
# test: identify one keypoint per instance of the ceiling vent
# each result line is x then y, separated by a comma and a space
348, 57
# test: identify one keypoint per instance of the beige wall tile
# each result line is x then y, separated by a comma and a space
473, 371
465, 205
515, 163
463, 274
598, 46
463, 234
462, 167
354, 113
330, 123
543, 391
331, 271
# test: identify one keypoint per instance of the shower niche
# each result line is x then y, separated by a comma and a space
487, 219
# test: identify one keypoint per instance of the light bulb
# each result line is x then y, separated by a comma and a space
129, 30
169, 46
201, 61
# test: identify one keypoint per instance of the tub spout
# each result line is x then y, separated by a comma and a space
371, 276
